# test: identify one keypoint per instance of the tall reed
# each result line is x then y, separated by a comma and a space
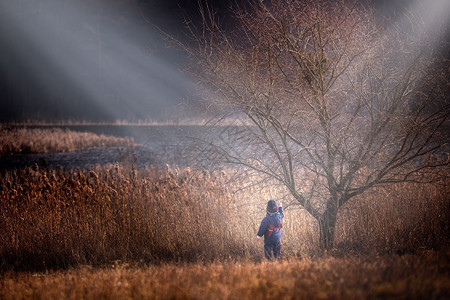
401, 218
56, 218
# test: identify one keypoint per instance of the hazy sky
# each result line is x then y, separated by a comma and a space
91, 60
96, 59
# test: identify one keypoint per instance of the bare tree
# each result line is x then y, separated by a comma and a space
332, 102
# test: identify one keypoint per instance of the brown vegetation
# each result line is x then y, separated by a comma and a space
59, 218
26, 140
402, 218
56, 219
118, 232
388, 277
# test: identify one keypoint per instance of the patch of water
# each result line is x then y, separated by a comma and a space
156, 146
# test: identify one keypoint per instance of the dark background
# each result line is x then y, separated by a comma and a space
99, 60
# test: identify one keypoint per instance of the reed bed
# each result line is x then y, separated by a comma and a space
57, 218
409, 276
117, 232
35, 140
52, 219
401, 218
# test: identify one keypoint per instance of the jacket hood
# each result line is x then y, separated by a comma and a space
272, 207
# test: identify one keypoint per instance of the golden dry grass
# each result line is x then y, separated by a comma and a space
115, 232
57, 219
26, 140
401, 218
424, 276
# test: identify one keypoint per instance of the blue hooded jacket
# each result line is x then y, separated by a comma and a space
274, 219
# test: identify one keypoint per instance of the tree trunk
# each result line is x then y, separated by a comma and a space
327, 225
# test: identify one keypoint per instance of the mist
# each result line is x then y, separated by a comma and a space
89, 61
105, 60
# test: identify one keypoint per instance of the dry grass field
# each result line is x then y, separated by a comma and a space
26, 140
117, 232
424, 276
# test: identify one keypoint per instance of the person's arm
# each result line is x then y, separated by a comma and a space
280, 210
263, 227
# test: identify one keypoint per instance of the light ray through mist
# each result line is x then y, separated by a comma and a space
429, 16
96, 59
101, 60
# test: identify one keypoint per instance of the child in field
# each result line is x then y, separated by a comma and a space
271, 229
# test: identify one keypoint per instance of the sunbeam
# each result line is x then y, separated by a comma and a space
95, 60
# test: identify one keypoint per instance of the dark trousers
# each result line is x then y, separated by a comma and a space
272, 251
